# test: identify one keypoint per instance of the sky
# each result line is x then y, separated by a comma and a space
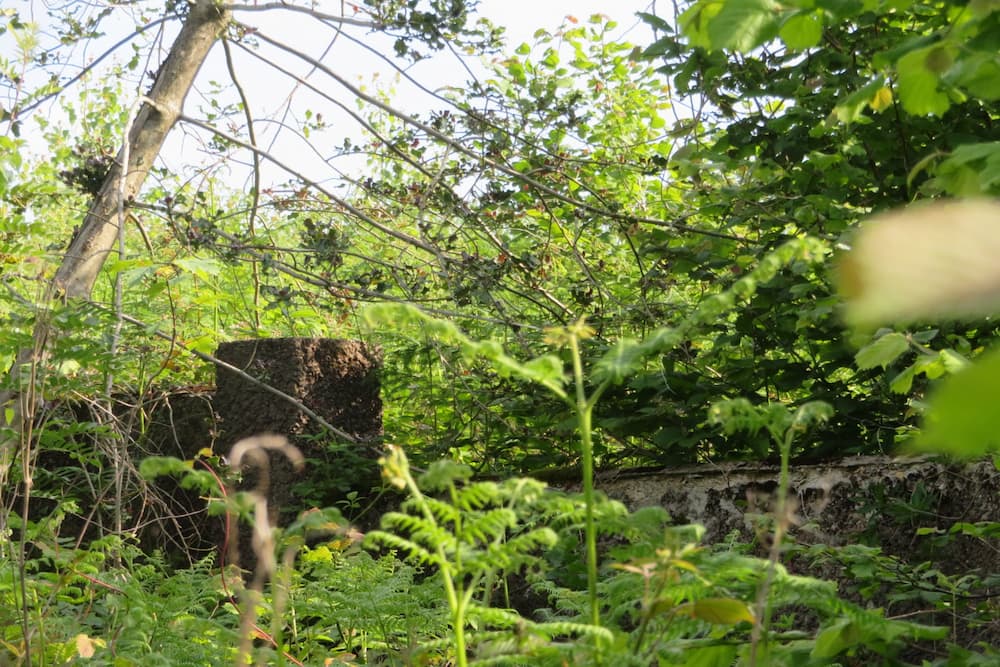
521, 18
277, 101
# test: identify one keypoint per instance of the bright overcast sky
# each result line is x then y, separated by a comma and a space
274, 96
523, 17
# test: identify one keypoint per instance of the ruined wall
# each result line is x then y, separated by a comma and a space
873, 500
868, 499
336, 379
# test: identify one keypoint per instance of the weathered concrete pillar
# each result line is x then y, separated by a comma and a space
336, 379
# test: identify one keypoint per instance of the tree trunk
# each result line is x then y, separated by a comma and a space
82, 263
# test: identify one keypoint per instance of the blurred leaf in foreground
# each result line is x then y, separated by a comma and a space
933, 261
929, 261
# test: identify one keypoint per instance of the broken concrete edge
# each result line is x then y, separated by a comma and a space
878, 500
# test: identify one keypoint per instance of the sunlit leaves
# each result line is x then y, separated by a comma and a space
802, 30
978, 73
930, 365
883, 351
882, 99
919, 79
846, 633
545, 370
961, 419
720, 611
969, 170
739, 414
735, 24
834, 640
156, 466
627, 356
850, 108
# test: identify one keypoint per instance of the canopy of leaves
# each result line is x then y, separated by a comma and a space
582, 177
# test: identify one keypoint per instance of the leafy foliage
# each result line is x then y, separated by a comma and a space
645, 234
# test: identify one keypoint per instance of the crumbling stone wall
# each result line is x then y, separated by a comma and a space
336, 379
868, 499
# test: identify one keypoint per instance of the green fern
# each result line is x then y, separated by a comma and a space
472, 534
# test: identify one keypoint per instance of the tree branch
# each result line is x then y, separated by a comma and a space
320, 16
509, 171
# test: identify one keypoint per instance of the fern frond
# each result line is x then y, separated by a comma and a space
409, 524
443, 511
413, 550
568, 628
478, 495
495, 616
419, 529
442, 474
523, 491
531, 540
486, 526
509, 555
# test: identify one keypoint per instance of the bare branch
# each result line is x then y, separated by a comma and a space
92, 65
509, 171
320, 16
347, 206
87, 253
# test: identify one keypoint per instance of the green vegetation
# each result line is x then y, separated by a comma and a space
712, 247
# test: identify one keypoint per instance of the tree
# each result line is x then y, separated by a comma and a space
807, 117
105, 220
506, 217
562, 209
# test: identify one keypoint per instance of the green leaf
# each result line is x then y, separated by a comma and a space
851, 107
813, 412
967, 153
443, 473
694, 22
978, 73
836, 639
656, 22
952, 360
933, 366
961, 417
743, 25
918, 83
544, 370
712, 656
156, 466
660, 47
841, 9
623, 359
204, 268
903, 382
802, 30
882, 352
720, 611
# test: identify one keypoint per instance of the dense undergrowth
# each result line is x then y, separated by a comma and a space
599, 255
